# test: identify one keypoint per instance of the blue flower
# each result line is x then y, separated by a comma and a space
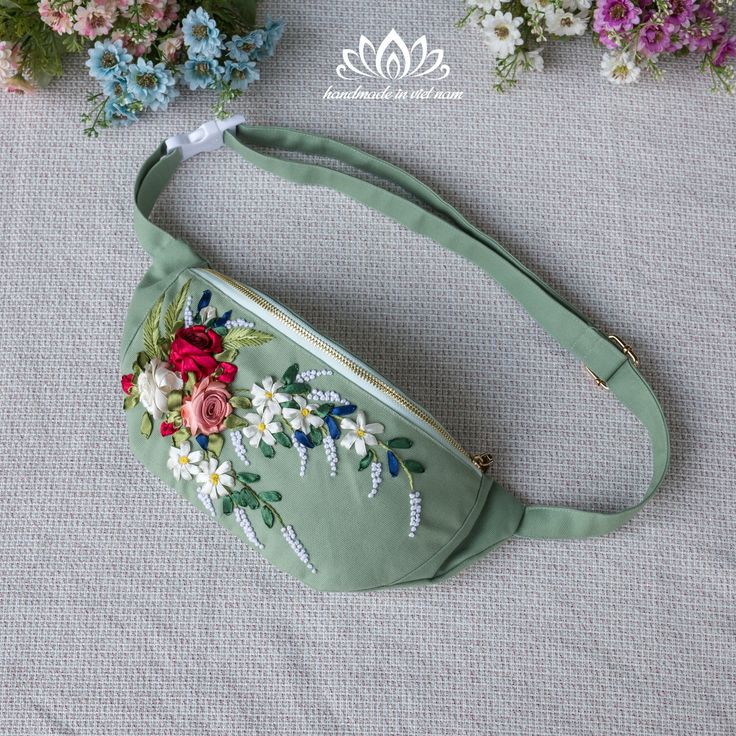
201, 36
119, 114
244, 48
116, 87
151, 84
108, 59
239, 74
201, 72
273, 29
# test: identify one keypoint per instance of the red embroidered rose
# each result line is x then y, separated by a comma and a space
127, 382
205, 411
193, 350
227, 372
167, 428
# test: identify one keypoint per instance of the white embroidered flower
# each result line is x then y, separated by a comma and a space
206, 314
360, 434
532, 60
501, 32
154, 384
303, 418
182, 461
564, 23
261, 427
268, 397
619, 68
576, 4
215, 480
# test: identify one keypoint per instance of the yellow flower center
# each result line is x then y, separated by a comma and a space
502, 32
214, 479
621, 71
360, 432
269, 395
261, 427
305, 412
183, 459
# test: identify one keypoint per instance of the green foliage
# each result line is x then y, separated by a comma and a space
414, 466
248, 477
151, 335
365, 461
241, 337
232, 16
215, 443
146, 425
400, 443
174, 310
271, 496
267, 515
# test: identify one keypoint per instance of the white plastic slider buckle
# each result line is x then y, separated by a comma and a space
208, 137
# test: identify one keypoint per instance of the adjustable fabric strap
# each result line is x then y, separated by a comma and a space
441, 222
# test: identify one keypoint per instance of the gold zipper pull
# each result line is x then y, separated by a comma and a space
483, 461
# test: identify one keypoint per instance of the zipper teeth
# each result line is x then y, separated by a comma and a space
351, 365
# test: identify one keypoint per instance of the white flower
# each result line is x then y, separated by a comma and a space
532, 60
576, 4
261, 428
182, 461
563, 23
359, 433
206, 314
268, 397
619, 68
215, 480
501, 31
154, 384
303, 417
487, 6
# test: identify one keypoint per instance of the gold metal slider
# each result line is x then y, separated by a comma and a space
483, 461
625, 349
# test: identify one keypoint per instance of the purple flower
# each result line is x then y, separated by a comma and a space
681, 12
615, 15
707, 29
725, 52
654, 38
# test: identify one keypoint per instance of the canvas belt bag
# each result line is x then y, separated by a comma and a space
299, 448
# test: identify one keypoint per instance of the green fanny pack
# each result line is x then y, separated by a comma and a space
299, 448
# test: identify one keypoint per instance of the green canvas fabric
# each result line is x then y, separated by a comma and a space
356, 542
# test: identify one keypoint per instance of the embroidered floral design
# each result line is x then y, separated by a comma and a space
185, 378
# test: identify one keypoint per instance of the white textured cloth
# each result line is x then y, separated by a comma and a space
125, 611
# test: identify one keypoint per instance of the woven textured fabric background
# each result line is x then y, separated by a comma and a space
124, 611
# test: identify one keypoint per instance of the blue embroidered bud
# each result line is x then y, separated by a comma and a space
393, 464
303, 439
332, 426
202, 440
340, 411
205, 300
220, 321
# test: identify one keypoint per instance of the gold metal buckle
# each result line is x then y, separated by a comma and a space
625, 349
483, 461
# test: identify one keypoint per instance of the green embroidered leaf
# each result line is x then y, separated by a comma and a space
226, 356
240, 402
189, 385
151, 334
248, 498
130, 401
271, 496
248, 477
283, 439
290, 374
324, 409
174, 310
234, 422
365, 461
174, 400
221, 330
297, 388
316, 436
267, 450
215, 443
142, 360
267, 515
414, 466
242, 337
181, 435
227, 505
400, 443
146, 425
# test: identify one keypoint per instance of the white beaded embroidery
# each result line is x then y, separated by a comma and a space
239, 323
290, 536
327, 396
375, 479
302, 456
310, 375
237, 441
207, 502
188, 316
247, 527
331, 454
415, 507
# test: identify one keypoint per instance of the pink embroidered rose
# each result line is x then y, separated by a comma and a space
126, 382
205, 411
167, 429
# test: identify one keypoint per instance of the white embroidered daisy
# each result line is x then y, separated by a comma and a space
564, 23
215, 480
268, 397
154, 384
501, 32
261, 427
619, 68
182, 461
359, 434
302, 418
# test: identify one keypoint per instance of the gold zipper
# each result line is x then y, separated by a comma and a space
480, 461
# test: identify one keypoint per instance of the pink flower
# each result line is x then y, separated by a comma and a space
707, 29
137, 49
58, 19
653, 38
725, 52
615, 15
171, 15
146, 11
205, 411
95, 19
171, 46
